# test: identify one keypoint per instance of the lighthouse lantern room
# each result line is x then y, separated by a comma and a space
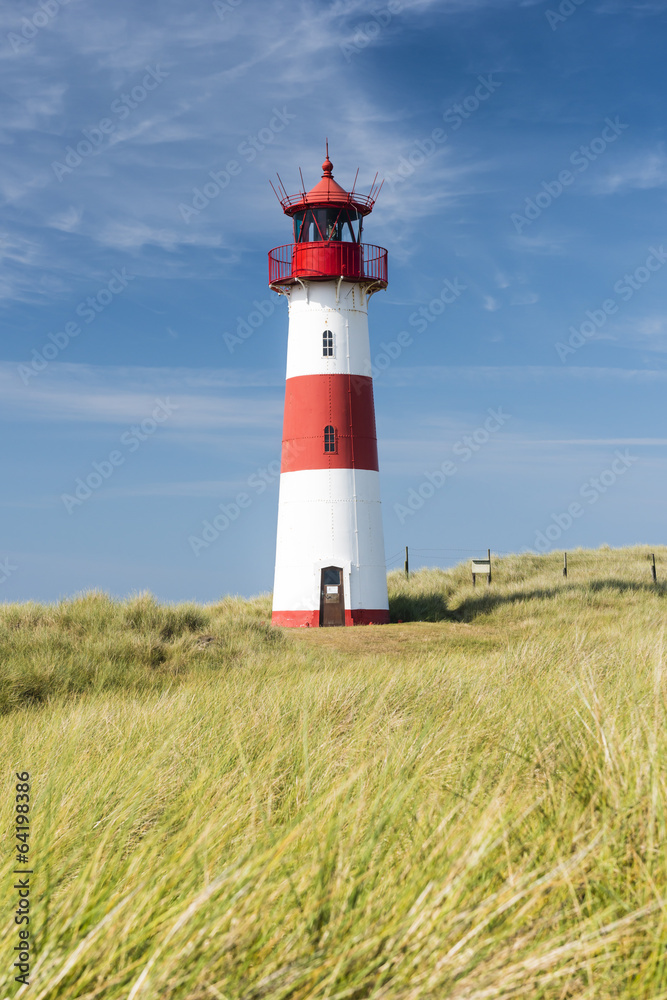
330, 563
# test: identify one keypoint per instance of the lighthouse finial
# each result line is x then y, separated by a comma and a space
327, 166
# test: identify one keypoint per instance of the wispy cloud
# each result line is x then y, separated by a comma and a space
641, 173
122, 395
649, 333
516, 374
524, 299
213, 488
124, 197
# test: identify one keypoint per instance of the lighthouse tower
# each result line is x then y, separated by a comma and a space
330, 563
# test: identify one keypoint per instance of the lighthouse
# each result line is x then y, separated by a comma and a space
330, 562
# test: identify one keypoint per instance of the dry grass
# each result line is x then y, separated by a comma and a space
471, 807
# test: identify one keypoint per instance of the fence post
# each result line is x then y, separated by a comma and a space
653, 572
407, 564
488, 556
564, 563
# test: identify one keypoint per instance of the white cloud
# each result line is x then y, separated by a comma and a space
643, 173
130, 235
214, 488
506, 374
121, 395
67, 221
546, 244
524, 299
643, 442
645, 332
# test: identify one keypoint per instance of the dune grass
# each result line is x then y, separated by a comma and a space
467, 805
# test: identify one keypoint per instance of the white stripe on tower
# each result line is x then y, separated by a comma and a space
322, 306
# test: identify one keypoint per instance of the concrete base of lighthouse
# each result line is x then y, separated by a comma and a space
330, 518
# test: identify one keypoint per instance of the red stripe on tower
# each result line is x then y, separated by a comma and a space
341, 402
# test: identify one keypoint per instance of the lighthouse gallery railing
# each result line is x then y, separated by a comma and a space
327, 260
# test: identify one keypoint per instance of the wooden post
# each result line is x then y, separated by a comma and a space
407, 564
564, 563
488, 556
653, 572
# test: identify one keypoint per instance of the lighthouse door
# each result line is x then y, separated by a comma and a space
332, 597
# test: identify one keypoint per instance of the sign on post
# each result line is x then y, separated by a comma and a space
482, 567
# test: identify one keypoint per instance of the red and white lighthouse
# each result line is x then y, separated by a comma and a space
330, 562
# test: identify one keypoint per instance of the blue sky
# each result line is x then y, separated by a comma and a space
523, 146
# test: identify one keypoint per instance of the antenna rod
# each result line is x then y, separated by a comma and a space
355, 181
275, 192
303, 186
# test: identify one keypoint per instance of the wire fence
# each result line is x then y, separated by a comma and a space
441, 555
436, 557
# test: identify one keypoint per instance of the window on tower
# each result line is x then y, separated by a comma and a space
353, 223
329, 439
327, 344
338, 224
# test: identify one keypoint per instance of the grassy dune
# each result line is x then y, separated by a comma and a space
469, 805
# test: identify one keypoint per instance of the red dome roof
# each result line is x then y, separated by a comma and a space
327, 191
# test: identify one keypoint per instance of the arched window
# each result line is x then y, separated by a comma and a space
329, 439
327, 344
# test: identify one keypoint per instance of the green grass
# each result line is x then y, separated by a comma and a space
467, 805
